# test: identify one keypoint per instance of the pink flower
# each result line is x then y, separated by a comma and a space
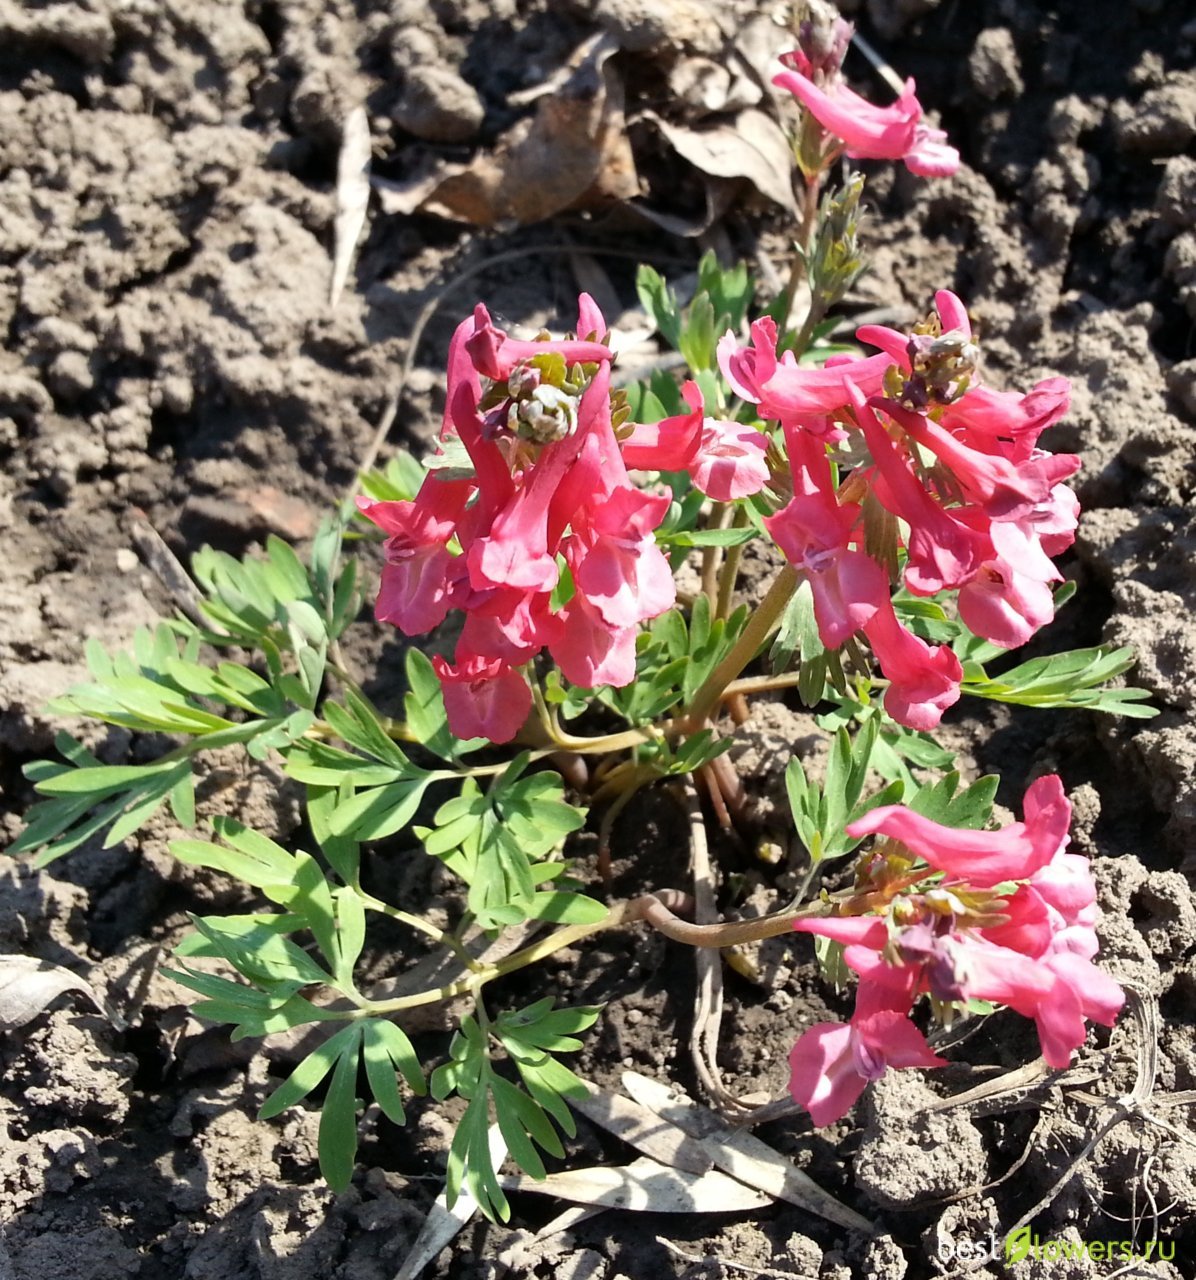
833, 1062
984, 414
923, 678
1004, 606
726, 460
420, 576
869, 132
494, 355
623, 573
589, 650
793, 394
981, 858
814, 531
944, 550
1006, 490
483, 698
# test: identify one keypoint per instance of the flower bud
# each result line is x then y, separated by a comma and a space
547, 415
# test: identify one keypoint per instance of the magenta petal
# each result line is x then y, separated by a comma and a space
823, 1078
868, 931
894, 1039
483, 698
982, 858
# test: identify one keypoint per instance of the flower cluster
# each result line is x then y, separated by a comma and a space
949, 472
1003, 916
531, 527
855, 125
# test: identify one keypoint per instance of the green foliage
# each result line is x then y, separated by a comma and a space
944, 803
674, 660
1076, 678
386, 1052
797, 637
497, 840
84, 797
822, 813
720, 303
399, 482
525, 1116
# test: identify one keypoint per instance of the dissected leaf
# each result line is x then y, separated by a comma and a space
444, 1223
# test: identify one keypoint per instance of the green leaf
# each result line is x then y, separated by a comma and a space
1072, 679
350, 935
254, 948
311, 1071
380, 811
337, 1141
660, 303
942, 802
562, 907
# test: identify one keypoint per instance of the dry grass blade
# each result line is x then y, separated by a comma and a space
742, 1155
1130, 1106
352, 196
166, 567
442, 1224
643, 1129
572, 1217
645, 1186
1012, 1089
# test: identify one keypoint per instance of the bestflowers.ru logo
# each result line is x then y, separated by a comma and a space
1023, 1244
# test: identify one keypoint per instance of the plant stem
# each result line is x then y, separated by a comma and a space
751, 638
416, 922
809, 214
712, 556
730, 569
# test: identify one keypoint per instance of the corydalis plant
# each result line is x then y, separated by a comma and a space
914, 517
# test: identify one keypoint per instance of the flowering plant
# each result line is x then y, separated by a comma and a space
914, 517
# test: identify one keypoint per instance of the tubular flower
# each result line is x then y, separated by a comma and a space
973, 504
546, 486
868, 132
483, 697
725, 460
1005, 916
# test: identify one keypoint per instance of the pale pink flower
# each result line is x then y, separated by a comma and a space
623, 573
791, 393
814, 531
924, 679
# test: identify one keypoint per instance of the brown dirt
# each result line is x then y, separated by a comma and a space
166, 177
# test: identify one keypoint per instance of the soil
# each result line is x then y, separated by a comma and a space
167, 176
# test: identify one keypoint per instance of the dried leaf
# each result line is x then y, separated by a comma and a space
573, 153
426, 175
752, 146
742, 1154
352, 196
28, 987
642, 1129
442, 1224
643, 1185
